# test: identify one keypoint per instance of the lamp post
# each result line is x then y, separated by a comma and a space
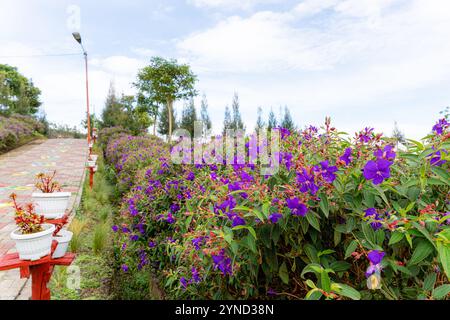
77, 37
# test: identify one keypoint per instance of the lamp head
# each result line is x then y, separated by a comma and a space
77, 37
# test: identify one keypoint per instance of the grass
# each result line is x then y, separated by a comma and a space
92, 243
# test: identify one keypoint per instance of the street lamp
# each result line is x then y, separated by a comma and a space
77, 37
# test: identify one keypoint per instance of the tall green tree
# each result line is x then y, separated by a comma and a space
237, 119
259, 121
227, 122
272, 122
163, 121
17, 93
151, 107
188, 117
114, 113
287, 121
204, 115
167, 81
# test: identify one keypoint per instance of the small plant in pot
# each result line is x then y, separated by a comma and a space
51, 202
33, 237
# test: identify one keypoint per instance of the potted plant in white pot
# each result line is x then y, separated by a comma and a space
33, 237
51, 202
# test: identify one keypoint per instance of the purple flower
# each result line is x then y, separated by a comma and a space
347, 156
377, 171
366, 135
197, 242
372, 213
115, 228
328, 172
183, 283
387, 153
191, 176
274, 217
436, 158
195, 275
134, 237
170, 219
440, 126
152, 244
297, 208
222, 262
125, 268
306, 182
375, 256
237, 221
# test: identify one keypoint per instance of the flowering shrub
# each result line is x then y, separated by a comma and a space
26, 218
106, 134
46, 183
16, 129
344, 218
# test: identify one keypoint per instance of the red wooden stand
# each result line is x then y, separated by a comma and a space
91, 176
40, 270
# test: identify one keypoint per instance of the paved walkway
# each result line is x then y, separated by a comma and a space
18, 169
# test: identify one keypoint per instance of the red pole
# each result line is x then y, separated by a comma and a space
91, 177
87, 101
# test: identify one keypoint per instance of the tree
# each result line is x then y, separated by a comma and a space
165, 81
17, 93
163, 123
125, 112
150, 106
397, 135
287, 121
272, 122
259, 121
237, 123
114, 114
207, 125
227, 122
188, 117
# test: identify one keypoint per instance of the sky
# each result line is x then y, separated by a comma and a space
361, 62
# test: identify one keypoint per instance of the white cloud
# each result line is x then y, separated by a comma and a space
118, 65
230, 4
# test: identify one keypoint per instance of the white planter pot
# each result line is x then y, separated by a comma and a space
63, 237
90, 163
36, 245
51, 205
94, 157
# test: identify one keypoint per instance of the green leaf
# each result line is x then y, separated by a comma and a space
423, 250
444, 257
313, 221
396, 236
441, 292
351, 248
325, 252
250, 229
325, 281
442, 174
429, 281
283, 273
313, 294
340, 266
324, 206
347, 291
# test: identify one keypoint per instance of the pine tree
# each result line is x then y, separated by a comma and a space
227, 123
259, 121
188, 117
113, 114
272, 122
287, 121
237, 123
204, 114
